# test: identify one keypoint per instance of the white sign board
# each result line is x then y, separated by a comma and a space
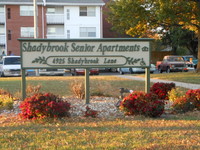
45, 53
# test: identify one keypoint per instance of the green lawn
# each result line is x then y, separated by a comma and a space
62, 85
187, 77
108, 85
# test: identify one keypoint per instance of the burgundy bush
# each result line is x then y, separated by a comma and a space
140, 103
162, 89
44, 105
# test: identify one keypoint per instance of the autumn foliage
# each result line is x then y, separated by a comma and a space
189, 102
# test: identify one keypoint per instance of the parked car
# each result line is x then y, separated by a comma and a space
124, 70
10, 66
171, 63
52, 72
191, 62
136, 70
80, 71
142, 70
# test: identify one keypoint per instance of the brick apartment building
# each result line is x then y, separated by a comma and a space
64, 19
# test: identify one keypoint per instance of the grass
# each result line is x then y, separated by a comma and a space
61, 85
106, 85
172, 133
187, 77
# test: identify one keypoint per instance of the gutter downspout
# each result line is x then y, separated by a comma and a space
43, 21
101, 21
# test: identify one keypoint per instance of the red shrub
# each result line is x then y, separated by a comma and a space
90, 112
194, 96
162, 89
139, 103
188, 102
44, 105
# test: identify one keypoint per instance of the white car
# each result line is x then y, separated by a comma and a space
142, 70
136, 70
52, 72
10, 66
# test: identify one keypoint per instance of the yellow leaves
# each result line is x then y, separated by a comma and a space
138, 29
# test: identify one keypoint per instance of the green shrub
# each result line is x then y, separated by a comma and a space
6, 100
174, 94
44, 106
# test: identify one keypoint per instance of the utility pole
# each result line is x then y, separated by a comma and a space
35, 26
35, 19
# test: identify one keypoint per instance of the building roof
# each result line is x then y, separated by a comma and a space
53, 2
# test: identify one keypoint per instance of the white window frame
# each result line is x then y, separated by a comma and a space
55, 10
87, 11
26, 10
27, 32
2, 30
87, 31
54, 27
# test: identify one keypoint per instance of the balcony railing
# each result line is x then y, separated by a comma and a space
2, 18
56, 37
55, 18
2, 39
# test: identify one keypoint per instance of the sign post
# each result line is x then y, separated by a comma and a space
147, 80
86, 53
23, 84
87, 86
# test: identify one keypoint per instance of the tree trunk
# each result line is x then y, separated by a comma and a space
198, 53
174, 50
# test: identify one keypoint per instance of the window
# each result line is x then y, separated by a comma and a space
55, 10
68, 14
27, 32
68, 34
9, 34
26, 11
87, 11
87, 32
12, 61
1, 10
8, 13
51, 10
55, 30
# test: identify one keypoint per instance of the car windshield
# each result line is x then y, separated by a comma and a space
12, 61
188, 58
175, 59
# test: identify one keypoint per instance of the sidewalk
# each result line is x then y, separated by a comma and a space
181, 84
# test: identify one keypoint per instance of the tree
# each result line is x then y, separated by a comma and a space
178, 37
137, 17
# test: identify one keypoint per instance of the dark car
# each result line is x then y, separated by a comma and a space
81, 71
